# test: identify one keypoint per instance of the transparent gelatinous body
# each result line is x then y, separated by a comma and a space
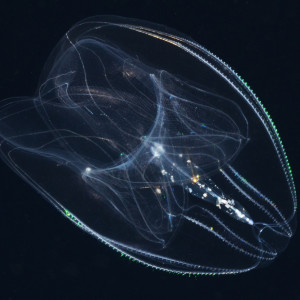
155, 146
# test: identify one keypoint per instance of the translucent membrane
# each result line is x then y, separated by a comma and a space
155, 146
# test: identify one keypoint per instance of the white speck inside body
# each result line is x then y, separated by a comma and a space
158, 190
164, 172
157, 150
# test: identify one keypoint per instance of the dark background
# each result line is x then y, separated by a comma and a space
42, 254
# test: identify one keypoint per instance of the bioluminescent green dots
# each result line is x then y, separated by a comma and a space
72, 218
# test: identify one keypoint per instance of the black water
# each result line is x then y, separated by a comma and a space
42, 255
